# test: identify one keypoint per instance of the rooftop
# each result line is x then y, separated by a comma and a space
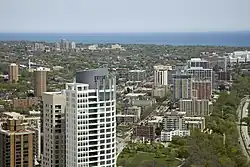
197, 60
16, 132
42, 69
77, 84
14, 115
175, 113
192, 122
239, 53
156, 119
162, 67
136, 70
13, 64
201, 81
195, 118
34, 112
135, 94
53, 93
195, 68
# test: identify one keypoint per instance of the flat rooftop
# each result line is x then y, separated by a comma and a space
193, 122
53, 93
174, 113
198, 68
42, 69
136, 70
77, 84
156, 119
19, 132
195, 118
135, 94
13, 115
162, 67
197, 60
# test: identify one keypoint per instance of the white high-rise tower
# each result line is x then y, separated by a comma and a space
161, 75
91, 120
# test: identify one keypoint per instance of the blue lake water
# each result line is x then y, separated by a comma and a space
192, 38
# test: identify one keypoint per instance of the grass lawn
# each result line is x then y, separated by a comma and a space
142, 159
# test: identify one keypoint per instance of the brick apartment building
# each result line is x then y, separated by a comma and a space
25, 103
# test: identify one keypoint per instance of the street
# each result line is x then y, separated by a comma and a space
243, 130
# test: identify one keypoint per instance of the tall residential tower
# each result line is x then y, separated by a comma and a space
161, 75
182, 86
91, 120
40, 81
16, 144
13, 72
53, 122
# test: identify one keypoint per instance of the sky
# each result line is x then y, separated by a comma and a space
88, 16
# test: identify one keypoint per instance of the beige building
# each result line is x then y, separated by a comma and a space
144, 132
182, 86
13, 72
174, 120
16, 144
186, 105
53, 129
159, 92
25, 103
195, 122
126, 119
40, 81
134, 110
201, 107
194, 107
161, 75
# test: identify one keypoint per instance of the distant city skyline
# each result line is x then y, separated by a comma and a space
89, 16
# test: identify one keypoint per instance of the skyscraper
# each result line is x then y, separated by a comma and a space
203, 88
182, 86
53, 139
67, 45
57, 46
194, 107
73, 45
198, 62
40, 81
161, 75
13, 72
16, 144
200, 73
63, 44
91, 119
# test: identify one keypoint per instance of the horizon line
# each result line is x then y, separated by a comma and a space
126, 32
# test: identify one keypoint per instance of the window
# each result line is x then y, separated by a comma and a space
92, 94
